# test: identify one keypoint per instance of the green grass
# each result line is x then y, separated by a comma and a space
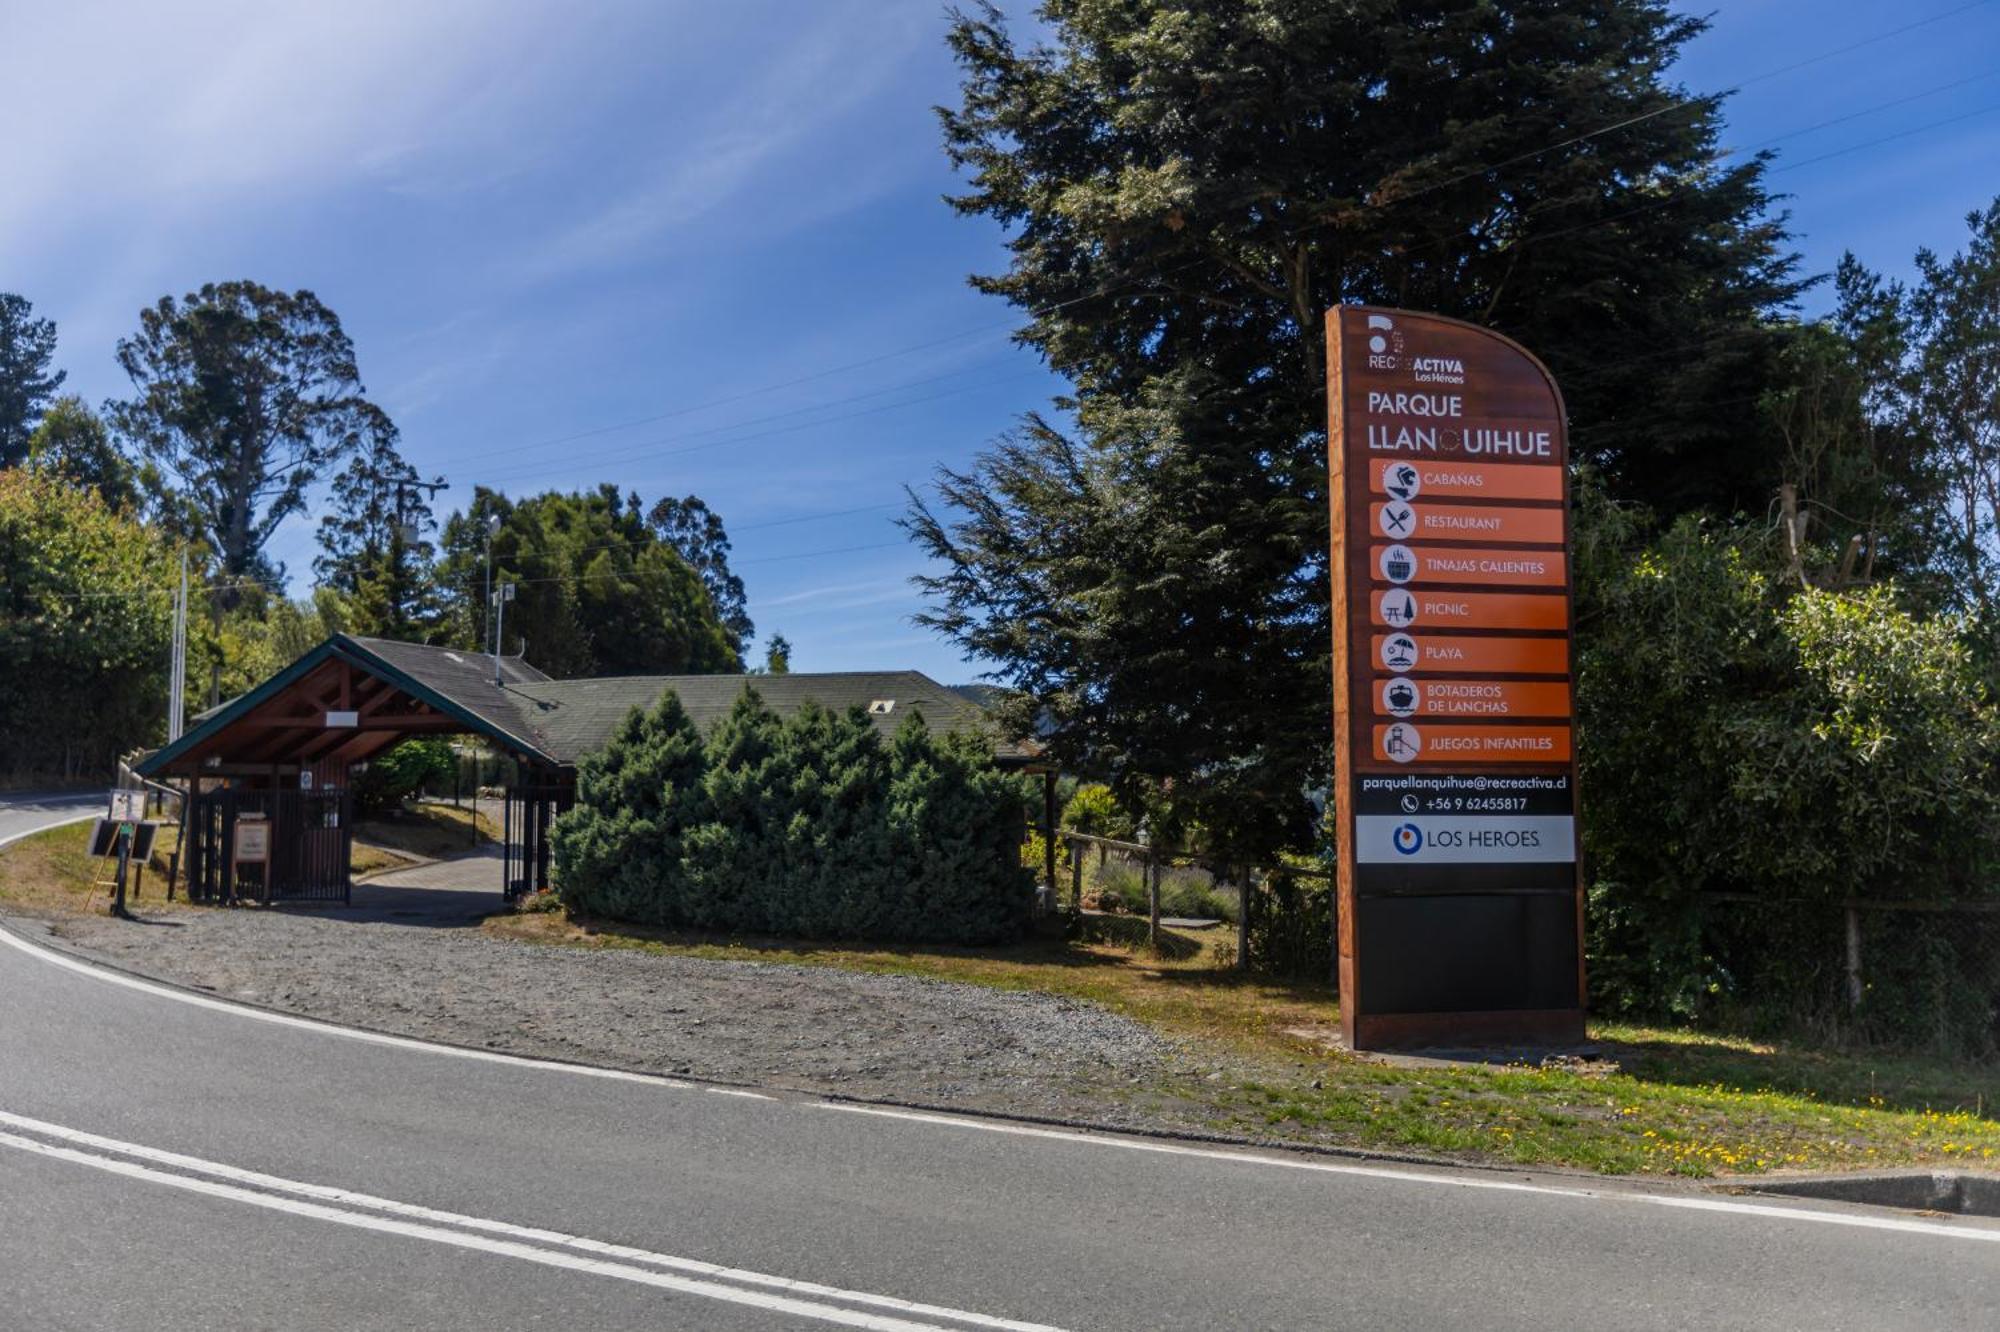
1665, 1102
429, 831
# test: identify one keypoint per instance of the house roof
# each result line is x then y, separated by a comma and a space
570, 718
557, 722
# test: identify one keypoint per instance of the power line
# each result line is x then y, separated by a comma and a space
1138, 290
647, 452
1685, 103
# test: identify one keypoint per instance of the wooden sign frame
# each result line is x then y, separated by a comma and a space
1460, 892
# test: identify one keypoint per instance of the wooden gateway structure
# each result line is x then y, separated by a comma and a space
280, 760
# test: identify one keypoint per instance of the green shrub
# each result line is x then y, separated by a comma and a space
1094, 809
1291, 928
808, 826
400, 772
1805, 748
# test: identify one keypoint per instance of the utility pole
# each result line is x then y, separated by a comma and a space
492, 526
177, 661
501, 596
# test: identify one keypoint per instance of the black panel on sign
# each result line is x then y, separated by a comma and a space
1467, 953
1416, 879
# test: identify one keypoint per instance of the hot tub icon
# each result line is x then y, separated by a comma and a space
1397, 563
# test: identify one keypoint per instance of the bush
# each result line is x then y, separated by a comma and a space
401, 772
1291, 928
807, 826
1094, 809
1807, 749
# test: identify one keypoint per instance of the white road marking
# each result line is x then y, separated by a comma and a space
55, 959
62, 822
1935, 1229
1941, 1229
314, 1202
738, 1091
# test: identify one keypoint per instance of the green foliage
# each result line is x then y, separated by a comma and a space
807, 826
398, 773
374, 542
1291, 928
243, 396
1188, 188
1806, 749
778, 656
27, 345
597, 590
1095, 809
638, 798
85, 598
71, 442
696, 532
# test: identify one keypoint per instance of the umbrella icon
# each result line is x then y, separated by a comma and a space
1399, 652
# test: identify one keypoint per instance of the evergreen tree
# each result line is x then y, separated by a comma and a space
778, 656
693, 529
375, 542
244, 396
1189, 187
27, 345
618, 852
71, 442
597, 591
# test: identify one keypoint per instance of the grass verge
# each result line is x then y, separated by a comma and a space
53, 872
426, 831
1662, 1102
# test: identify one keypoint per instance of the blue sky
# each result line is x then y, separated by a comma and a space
693, 247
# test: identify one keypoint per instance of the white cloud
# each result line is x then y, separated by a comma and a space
759, 138
154, 114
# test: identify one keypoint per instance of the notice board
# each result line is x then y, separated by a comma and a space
1460, 898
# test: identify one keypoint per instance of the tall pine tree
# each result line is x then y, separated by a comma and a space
1188, 187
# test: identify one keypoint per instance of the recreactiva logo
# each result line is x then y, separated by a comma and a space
1409, 838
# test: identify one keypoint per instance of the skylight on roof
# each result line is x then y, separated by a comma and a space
881, 707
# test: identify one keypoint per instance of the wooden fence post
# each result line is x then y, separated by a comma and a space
1076, 879
1152, 901
1853, 959
1246, 893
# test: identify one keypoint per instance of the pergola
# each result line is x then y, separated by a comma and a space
284, 754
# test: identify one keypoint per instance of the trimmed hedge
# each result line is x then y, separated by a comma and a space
808, 826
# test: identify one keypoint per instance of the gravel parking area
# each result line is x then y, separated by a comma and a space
804, 1028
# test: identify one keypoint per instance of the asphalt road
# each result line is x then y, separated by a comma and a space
170, 1162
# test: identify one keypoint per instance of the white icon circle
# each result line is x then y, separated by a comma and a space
1402, 480
1402, 742
1398, 519
1401, 696
1397, 563
1399, 652
1378, 344
1398, 608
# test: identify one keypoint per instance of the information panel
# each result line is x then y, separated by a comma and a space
1461, 905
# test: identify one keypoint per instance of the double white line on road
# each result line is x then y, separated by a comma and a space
550, 1248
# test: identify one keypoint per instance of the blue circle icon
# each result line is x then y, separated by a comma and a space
1409, 838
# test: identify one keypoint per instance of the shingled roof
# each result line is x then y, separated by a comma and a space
570, 718
560, 721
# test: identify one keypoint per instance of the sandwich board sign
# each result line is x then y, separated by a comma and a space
1460, 898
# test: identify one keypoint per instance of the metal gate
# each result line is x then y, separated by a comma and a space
311, 840
529, 810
